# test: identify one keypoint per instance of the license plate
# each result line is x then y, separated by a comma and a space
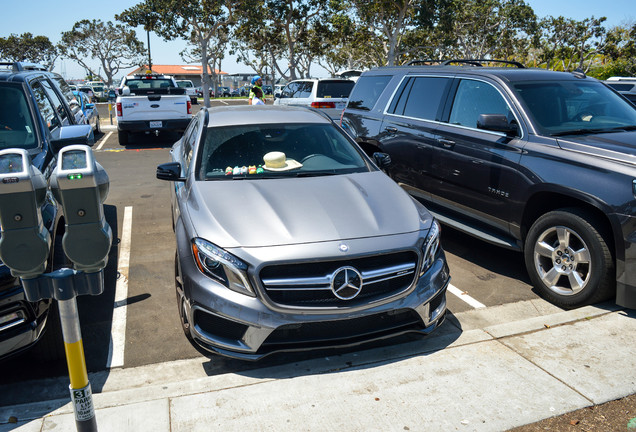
155, 124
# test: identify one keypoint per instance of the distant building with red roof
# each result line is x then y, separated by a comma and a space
186, 72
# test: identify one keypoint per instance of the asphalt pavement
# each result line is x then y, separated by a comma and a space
484, 370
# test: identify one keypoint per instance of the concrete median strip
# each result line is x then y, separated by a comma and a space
465, 377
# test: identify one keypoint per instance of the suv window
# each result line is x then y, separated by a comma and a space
45, 106
57, 101
420, 97
304, 90
474, 98
68, 94
16, 124
290, 89
334, 89
367, 91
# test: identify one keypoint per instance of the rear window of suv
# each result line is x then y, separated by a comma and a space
334, 89
367, 91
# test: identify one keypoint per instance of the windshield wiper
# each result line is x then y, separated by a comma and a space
315, 173
585, 131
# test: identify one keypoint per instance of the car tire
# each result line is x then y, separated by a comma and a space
183, 317
568, 259
123, 137
98, 129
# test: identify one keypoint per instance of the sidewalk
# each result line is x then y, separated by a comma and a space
484, 370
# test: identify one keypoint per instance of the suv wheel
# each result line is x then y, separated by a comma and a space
568, 260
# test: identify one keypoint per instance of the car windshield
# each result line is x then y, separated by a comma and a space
567, 107
240, 152
16, 124
98, 88
184, 84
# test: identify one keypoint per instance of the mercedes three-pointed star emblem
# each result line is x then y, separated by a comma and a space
346, 283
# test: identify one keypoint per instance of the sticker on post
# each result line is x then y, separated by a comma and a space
155, 124
83, 403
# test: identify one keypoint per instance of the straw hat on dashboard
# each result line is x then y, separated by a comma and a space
276, 161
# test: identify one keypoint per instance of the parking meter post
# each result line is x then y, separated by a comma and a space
80, 387
110, 111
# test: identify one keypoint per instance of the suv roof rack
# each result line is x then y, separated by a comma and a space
479, 62
422, 61
22, 66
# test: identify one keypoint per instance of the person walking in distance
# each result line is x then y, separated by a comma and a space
257, 82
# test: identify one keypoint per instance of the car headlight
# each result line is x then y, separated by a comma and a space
221, 266
430, 247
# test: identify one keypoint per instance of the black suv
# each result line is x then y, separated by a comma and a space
35, 114
533, 160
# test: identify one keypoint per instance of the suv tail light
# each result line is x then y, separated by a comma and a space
119, 111
189, 107
323, 104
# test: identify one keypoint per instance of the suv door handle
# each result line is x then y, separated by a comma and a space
390, 129
446, 143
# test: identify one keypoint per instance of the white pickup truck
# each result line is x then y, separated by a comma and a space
151, 103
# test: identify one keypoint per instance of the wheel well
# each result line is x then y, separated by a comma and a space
542, 203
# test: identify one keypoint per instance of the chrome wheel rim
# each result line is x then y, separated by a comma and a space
562, 260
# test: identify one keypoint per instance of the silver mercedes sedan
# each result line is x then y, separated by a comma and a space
290, 238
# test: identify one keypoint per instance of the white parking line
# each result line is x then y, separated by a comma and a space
103, 140
465, 297
118, 328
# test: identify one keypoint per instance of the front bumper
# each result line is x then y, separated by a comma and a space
235, 325
626, 269
143, 125
21, 322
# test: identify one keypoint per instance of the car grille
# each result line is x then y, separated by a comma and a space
308, 284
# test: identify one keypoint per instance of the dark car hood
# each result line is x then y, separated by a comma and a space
272, 212
619, 146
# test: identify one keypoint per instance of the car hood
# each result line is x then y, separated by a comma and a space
275, 212
620, 146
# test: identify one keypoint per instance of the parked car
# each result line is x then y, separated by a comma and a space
533, 160
267, 89
35, 115
244, 90
91, 114
234, 92
99, 90
278, 89
289, 237
625, 86
190, 89
88, 90
328, 94
223, 92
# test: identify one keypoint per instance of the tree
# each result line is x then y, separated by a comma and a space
26, 47
272, 30
485, 27
619, 53
115, 47
192, 20
387, 21
568, 44
216, 52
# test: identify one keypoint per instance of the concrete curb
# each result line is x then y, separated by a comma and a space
517, 343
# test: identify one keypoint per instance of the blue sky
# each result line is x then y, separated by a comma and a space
51, 18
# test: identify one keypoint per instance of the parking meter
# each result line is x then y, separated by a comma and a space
81, 185
25, 241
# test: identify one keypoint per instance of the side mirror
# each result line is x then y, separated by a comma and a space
75, 134
497, 123
382, 160
125, 91
89, 106
170, 171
